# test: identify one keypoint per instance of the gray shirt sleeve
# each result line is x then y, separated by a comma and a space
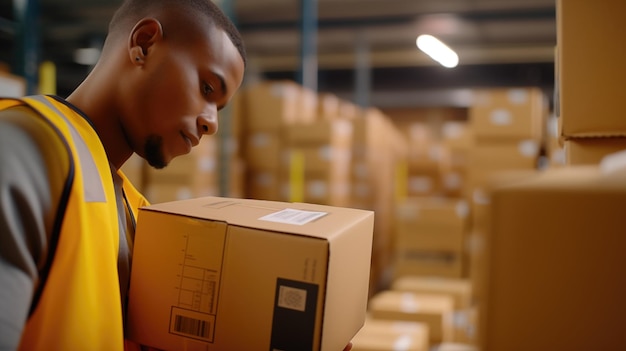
33, 170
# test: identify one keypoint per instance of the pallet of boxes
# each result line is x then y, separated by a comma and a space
555, 263
428, 303
270, 108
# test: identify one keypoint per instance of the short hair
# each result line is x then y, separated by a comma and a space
132, 11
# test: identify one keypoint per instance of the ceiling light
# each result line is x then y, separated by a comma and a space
437, 50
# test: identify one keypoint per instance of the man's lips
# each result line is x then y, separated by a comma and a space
190, 140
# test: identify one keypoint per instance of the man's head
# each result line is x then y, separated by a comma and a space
182, 61
131, 11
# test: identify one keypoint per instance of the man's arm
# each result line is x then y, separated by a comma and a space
33, 169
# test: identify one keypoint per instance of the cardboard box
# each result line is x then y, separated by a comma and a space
435, 311
265, 150
505, 155
390, 335
456, 346
325, 158
509, 114
337, 132
320, 189
590, 67
231, 274
459, 289
328, 106
272, 105
270, 184
479, 238
423, 184
465, 326
429, 263
589, 151
157, 192
436, 224
555, 278
197, 168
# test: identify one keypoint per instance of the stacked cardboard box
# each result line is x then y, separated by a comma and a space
427, 161
386, 335
555, 152
554, 278
459, 289
480, 235
430, 237
271, 106
187, 176
457, 139
433, 310
590, 77
231, 161
508, 127
464, 319
378, 153
318, 161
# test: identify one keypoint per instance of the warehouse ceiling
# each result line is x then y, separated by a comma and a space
499, 43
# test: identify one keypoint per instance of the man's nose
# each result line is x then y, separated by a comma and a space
207, 121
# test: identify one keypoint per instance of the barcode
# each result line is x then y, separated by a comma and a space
292, 298
292, 216
191, 326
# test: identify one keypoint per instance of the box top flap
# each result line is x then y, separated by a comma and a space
573, 179
313, 220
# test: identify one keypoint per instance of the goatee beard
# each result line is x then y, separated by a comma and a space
153, 151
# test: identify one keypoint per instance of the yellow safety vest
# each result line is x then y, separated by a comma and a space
79, 307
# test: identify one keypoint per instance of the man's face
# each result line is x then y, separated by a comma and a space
177, 101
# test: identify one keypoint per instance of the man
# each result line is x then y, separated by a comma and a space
67, 213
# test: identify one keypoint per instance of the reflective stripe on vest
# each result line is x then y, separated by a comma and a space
92, 184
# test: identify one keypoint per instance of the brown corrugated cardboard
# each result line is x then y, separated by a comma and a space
197, 168
326, 158
265, 150
390, 335
328, 106
459, 289
231, 274
436, 224
337, 132
590, 67
434, 310
428, 263
479, 238
271, 105
589, 151
271, 184
456, 346
510, 114
465, 326
505, 155
555, 278
157, 192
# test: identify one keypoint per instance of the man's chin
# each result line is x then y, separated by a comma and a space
157, 163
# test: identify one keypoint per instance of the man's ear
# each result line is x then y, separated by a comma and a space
143, 35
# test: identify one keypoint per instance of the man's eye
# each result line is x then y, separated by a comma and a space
206, 89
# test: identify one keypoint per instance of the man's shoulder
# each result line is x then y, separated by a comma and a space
25, 121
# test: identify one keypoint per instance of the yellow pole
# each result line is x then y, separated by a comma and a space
47, 78
296, 176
